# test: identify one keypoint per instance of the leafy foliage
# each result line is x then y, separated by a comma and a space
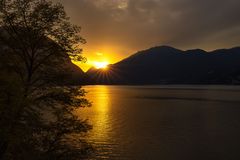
37, 117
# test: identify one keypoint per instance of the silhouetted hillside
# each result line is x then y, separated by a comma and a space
70, 73
63, 72
167, 65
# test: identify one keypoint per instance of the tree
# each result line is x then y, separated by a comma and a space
37, 114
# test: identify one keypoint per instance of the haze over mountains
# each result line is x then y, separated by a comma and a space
167, 65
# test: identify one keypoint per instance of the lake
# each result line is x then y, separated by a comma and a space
164, 122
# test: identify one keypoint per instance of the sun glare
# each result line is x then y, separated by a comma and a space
100, 65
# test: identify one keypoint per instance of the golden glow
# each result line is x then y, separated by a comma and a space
100, 65
110, 53
101, 102
98, 114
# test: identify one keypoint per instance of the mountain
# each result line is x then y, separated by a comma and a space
167, 65
71, 73
59, 69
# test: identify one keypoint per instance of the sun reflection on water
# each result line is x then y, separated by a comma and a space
98, 116
101, 99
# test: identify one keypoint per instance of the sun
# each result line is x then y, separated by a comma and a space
100, 65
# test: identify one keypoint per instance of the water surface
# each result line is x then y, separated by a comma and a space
164, 122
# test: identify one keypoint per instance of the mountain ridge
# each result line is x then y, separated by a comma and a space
168, 65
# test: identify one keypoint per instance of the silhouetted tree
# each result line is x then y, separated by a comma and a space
37, 117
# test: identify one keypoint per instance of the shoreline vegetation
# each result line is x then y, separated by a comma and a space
37, 118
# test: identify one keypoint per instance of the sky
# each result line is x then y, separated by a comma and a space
115, 29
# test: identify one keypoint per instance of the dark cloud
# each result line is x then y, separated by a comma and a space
138, 24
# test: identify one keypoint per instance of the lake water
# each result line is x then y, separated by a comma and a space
164, 122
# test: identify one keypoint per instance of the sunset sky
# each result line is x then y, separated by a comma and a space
115, 29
